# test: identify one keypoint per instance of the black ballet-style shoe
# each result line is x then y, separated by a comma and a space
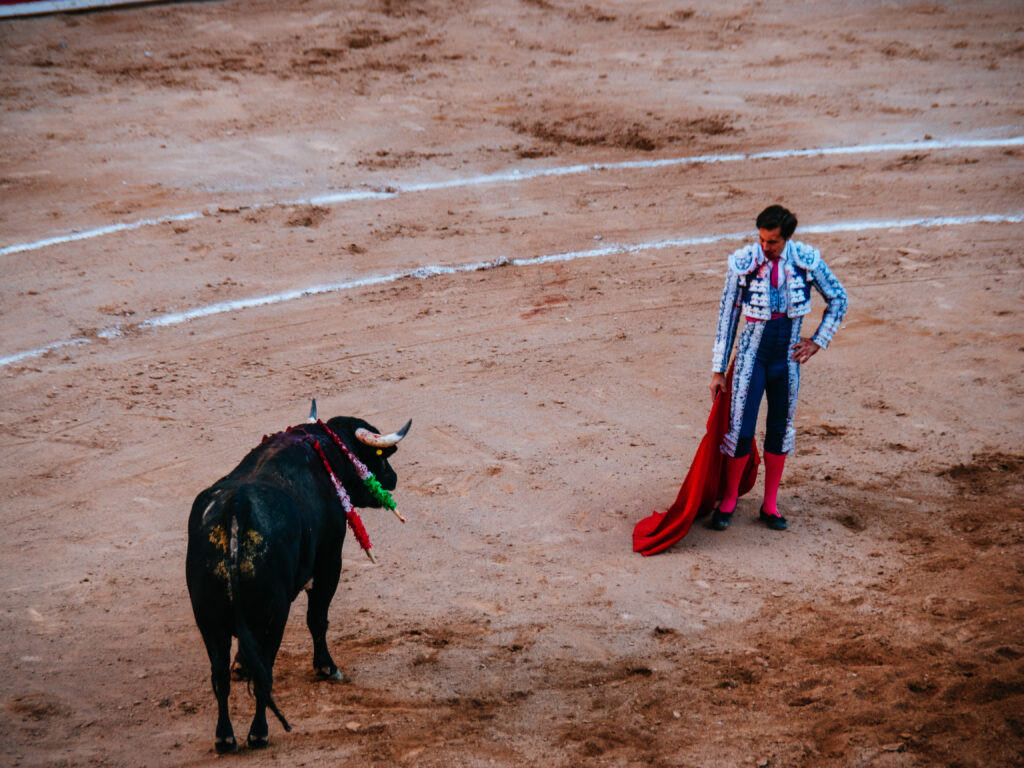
775, 522
720, 520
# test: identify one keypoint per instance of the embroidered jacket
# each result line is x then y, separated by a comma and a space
748, 292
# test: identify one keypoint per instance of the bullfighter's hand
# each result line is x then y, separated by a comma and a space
804, 350
717, 385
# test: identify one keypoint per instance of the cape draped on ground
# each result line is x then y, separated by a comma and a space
703, 486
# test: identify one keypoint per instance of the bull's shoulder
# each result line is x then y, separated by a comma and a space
276, 453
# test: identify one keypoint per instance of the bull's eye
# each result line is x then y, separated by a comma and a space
380, 452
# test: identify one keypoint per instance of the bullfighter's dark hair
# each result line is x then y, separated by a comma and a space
776, 216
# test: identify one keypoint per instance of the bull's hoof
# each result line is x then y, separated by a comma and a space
330, 673
258, 742
225, 745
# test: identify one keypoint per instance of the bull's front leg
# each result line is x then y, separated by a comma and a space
325, 583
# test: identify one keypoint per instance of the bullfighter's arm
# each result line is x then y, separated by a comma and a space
728, 320
828, 285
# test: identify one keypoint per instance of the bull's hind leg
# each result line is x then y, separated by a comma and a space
270, 642
219, 650
259, 733
325, 583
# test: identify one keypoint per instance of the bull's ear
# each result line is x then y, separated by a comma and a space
366, 437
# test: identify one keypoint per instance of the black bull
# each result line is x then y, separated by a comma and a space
261, 534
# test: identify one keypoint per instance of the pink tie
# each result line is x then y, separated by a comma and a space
775, 274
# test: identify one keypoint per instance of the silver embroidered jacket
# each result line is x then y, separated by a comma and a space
747, 291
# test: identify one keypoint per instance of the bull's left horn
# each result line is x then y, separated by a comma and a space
367, 437
312, 413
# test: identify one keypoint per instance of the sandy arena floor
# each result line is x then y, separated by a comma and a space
259, 148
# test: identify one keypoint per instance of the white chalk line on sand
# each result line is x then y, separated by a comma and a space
515, 175
425, 272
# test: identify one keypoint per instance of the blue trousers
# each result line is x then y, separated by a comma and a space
769, 378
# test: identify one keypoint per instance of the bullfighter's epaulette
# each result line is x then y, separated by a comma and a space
805, 256
744, 260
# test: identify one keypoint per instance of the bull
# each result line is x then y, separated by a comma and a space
271, 528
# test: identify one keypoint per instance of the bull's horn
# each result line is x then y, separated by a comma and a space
367, 437
312, 412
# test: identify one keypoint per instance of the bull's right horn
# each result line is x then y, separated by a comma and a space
312, 413
367, 437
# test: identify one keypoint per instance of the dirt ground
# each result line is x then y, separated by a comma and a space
555, 404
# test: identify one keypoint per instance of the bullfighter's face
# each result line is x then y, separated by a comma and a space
772, 243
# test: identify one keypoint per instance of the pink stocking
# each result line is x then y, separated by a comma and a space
733, 474
774, 463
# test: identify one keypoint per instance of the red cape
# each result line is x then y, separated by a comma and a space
703, 486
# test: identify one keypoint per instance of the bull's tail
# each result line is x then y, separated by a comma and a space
258, 672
